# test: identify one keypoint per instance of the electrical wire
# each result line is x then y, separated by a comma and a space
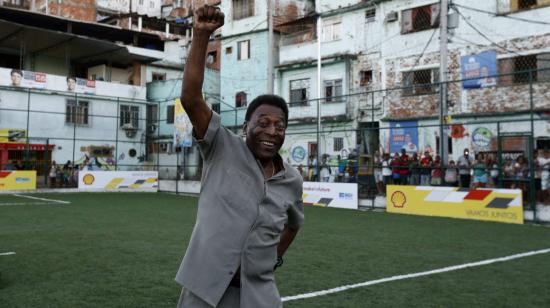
504, 16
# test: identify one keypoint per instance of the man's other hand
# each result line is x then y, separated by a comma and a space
208, 19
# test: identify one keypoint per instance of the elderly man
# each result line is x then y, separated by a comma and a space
250, 205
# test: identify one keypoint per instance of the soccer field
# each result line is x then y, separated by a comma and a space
123, 250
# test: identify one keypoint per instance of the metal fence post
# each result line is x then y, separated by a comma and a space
532, 192
116, 131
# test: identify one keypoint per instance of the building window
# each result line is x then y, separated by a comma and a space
243, 9
524, 4
140, 2
420, 18
129, 115
228, 50
370, 14
338, 144
76, 112
420, 82
332, 30
212, 57
152, 4
243, 50
333, 90
299, 92
159, 76
240, 99
170, 114
216, 108
524, 69
366, 78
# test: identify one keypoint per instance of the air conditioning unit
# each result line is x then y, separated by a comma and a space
392, 16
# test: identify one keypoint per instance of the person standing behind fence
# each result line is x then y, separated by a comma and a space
396, 169
437, 172
386, 170
451, 174
404, 161
378, 176
325, 169
480, 172
52, 174
464, 167
414, 170
425, 171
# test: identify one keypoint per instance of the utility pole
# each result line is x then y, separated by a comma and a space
443, 40
270, 46
319, 91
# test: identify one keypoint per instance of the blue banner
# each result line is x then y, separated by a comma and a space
479, 70
404, 135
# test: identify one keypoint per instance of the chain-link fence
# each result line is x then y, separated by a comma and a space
356, 137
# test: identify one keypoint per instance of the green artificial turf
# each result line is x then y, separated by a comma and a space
123, 250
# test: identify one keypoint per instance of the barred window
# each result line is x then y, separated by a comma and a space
370, 14
420, 82
420, 18
524, 69
240, 99
299, 90
170, 114
366, 78
333, 90
76, 112
338, 144
243, 9
129, 115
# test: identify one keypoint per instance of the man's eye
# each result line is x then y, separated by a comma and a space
263, 124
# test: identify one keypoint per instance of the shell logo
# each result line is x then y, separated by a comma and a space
398, 199
88, 179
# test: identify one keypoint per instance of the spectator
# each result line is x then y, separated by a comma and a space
325, 169
520, 172
544, 164
425, 164
464, 166
396, 169
378, 176
493, 172
437, 172
414, 170
404, 167
386, 170
9, 166
53, 174
19, 165
508, 173
312, 168
451, 174
480, 172
66, 173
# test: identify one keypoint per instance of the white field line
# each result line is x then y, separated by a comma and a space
413, 275
43, 199
29, 203
7, 253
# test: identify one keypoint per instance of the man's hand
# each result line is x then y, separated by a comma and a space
207, 19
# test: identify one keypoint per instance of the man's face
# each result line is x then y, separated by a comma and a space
71, 83
265, 132
16, 79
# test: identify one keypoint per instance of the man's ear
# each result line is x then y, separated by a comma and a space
245, 127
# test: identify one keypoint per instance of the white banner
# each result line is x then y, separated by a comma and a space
117, 180
339, 195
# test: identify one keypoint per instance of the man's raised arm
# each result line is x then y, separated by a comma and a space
206, 20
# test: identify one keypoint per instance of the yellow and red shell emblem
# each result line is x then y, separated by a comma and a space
88, 179
398, 199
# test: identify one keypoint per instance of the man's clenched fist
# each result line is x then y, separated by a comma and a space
207, 19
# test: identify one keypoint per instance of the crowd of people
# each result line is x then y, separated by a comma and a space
469, 171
